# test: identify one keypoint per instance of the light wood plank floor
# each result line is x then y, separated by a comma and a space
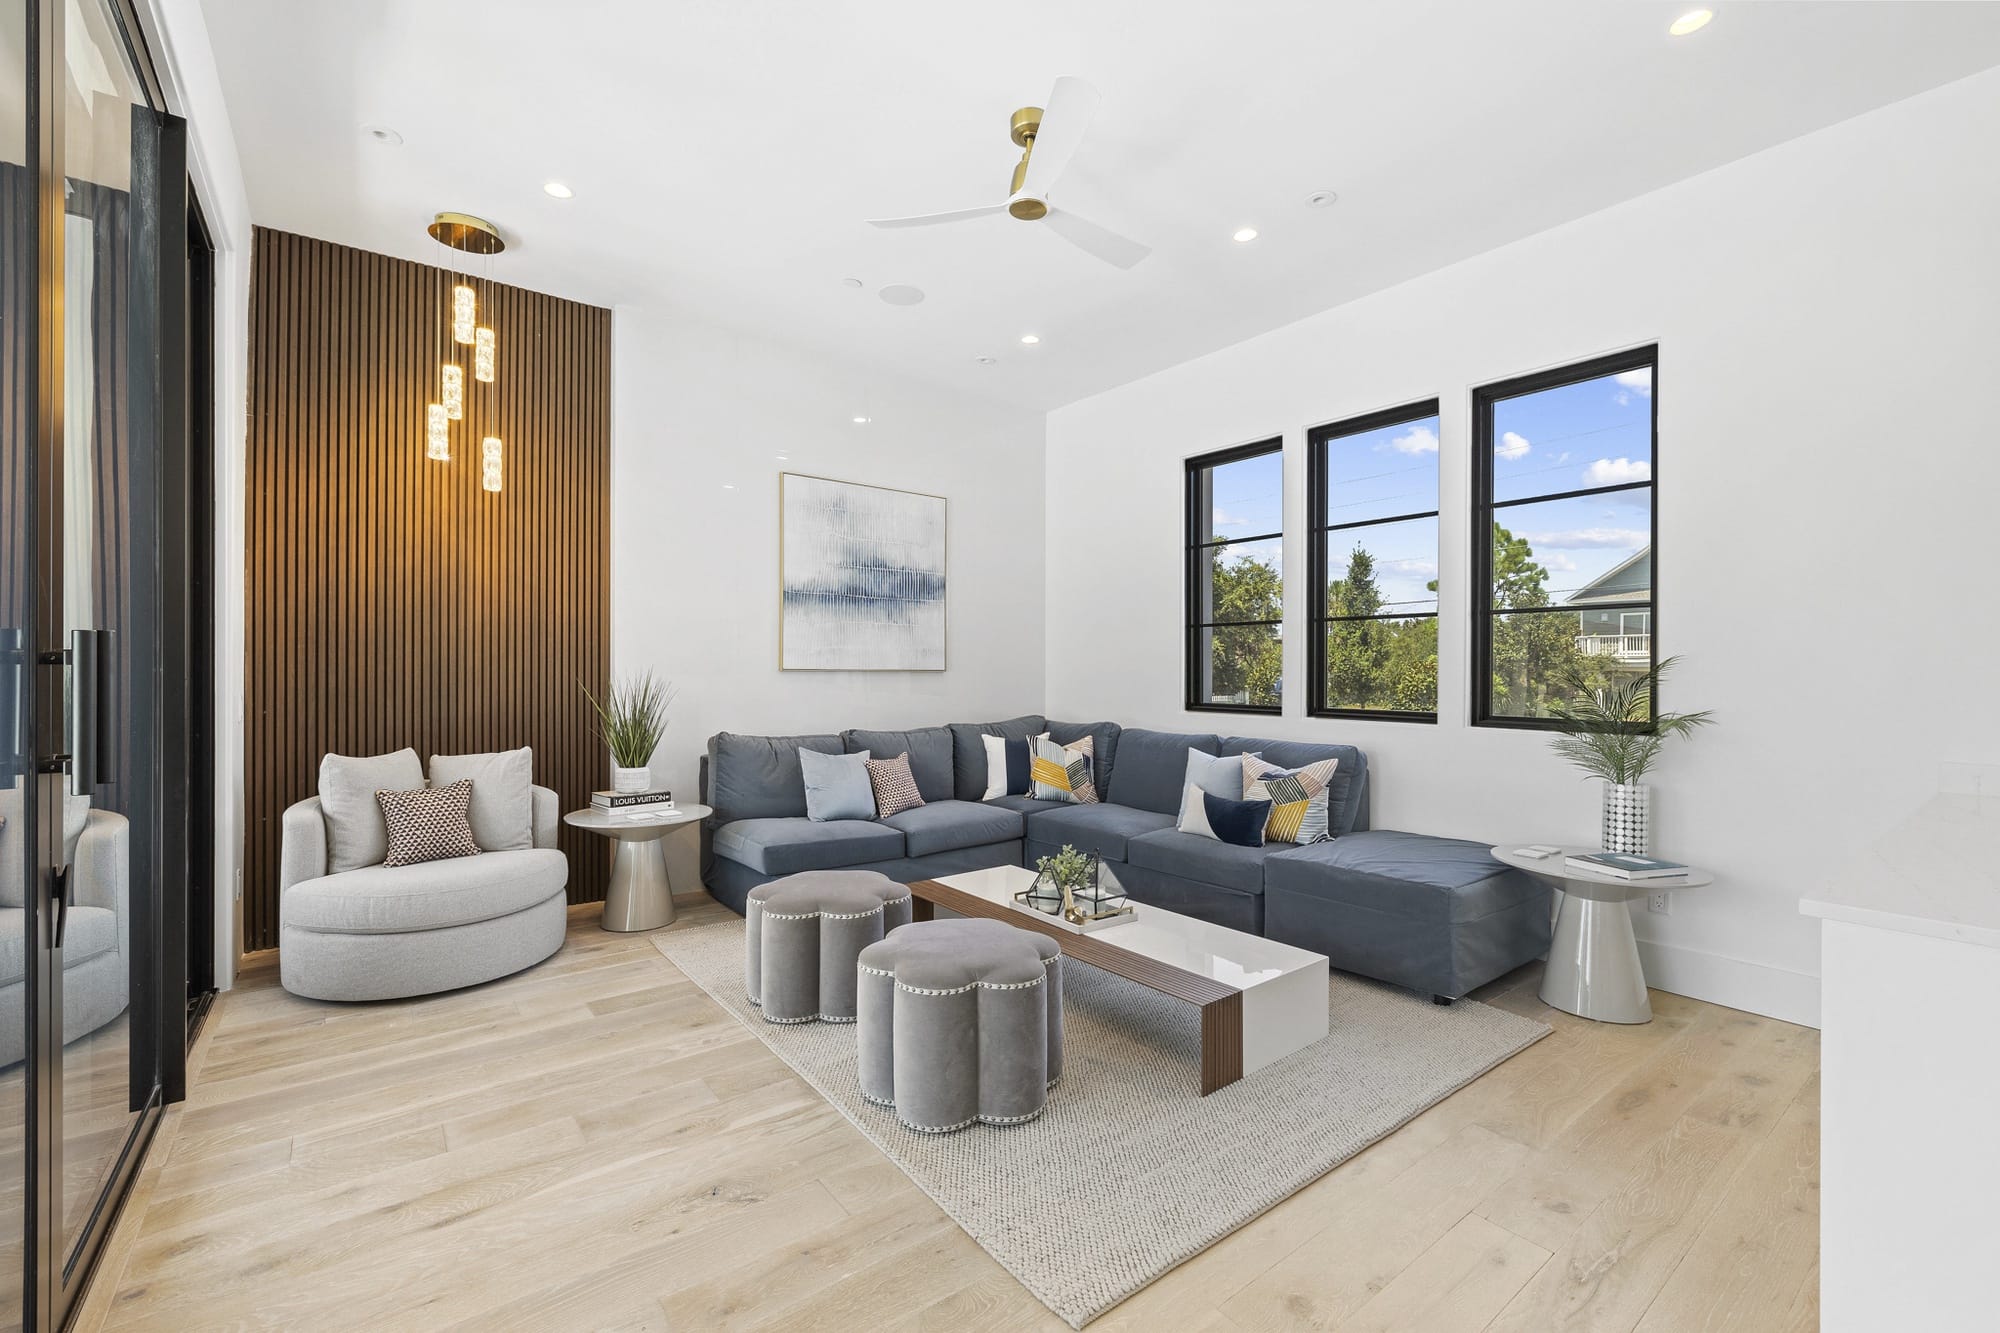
596, 1145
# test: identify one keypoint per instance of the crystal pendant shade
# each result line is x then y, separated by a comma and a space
482, 356
463, 313
490, 460
438, 434
454, 392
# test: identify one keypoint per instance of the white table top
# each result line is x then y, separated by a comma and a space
1937, 874
615, 822
1188, 943
1584, 884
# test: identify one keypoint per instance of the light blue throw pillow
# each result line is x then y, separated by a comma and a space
837, 785
1218, 775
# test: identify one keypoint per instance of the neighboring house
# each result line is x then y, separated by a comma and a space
1625, 633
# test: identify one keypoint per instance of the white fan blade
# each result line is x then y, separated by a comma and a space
929, 219
1086, 235
1065, 120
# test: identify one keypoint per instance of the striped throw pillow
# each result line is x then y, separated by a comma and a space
895, 786
1063, 772
428, 824
1298, 798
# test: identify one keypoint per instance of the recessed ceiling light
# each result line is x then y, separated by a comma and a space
784, 458
1322, 198
1030, 339
862, 421
382, 134
902, 294
1244, 234
1692, 21
557, 190
728, 486
983, 360
850, 282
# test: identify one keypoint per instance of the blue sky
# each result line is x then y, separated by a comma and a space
1594, 433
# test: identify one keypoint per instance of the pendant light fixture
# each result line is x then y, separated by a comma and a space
460, 325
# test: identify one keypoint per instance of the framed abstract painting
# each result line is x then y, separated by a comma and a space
861, 573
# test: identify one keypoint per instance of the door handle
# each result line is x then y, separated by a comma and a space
88, 661
60, 881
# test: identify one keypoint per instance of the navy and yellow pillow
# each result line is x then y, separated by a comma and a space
1239, 823
1063, 772
1298, 798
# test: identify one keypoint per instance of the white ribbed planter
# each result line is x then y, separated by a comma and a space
1628, 817
631, 779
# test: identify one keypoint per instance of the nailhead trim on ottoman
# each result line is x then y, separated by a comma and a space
803, 934
960, 1022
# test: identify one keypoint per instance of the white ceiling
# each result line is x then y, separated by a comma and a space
725, 154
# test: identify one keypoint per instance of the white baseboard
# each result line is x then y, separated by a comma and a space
1756, 988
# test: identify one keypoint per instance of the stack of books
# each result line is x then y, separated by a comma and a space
1623, 865
633, 802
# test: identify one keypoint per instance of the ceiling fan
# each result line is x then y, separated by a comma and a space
1048, 139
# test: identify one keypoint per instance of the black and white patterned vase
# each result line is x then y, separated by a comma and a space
1628, 816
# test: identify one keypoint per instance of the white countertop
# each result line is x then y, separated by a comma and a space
1936, 874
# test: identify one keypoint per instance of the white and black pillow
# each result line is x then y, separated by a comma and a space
894, 784
428, 824
1239, 823
1008, 765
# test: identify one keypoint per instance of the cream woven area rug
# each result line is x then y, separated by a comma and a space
1131, 1170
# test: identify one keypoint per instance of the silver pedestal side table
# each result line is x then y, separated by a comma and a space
1593, 969
640, 896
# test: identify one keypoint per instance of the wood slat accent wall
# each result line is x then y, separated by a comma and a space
390, 600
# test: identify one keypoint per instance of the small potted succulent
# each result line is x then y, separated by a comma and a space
631, 719
1066, 874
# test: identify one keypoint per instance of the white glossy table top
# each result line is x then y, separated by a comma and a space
1937, 873
1192, 945
1604, 888
615, 822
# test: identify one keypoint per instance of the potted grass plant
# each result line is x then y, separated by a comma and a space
1614, 734
631, 719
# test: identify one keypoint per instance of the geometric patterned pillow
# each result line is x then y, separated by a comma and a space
1298, 798
1063, 772
895, 786
428, 824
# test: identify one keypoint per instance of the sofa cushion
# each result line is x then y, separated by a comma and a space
428, 824
837, 785
930, 754
356, 835
1104, 746
89, 932
76, 813
1413, 875
1192, 856
944, 826
396, 900
1347, 799
1152, 768
1022, 805
758, 777
1103, 829
968, 753
503, 795
786, 846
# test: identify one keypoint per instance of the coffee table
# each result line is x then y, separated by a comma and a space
1260, 1000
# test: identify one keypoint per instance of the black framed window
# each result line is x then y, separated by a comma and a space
1235, 579
1372, 492
1563, 536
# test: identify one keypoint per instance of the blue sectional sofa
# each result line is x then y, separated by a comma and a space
1438, 915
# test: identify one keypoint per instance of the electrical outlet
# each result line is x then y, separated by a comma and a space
1661, 901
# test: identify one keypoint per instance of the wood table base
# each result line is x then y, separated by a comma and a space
1221, 1005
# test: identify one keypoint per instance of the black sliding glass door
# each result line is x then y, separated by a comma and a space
93, 197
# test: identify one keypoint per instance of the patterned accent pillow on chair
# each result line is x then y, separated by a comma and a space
1063, 772
1298, 798
895, 786
428, 824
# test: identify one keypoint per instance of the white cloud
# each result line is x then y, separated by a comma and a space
1617, 472
1556, 562
1224, 519
1582, 539
1416, 440
1638, 381
1512, 446
1426, 569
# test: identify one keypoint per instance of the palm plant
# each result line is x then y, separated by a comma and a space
1613, 732
631, 718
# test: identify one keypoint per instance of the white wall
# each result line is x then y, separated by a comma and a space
694, 588
1826, 314
177, 36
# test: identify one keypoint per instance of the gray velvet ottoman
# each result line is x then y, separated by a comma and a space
961, 1020
803, 934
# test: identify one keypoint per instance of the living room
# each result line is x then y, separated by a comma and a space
878, 665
